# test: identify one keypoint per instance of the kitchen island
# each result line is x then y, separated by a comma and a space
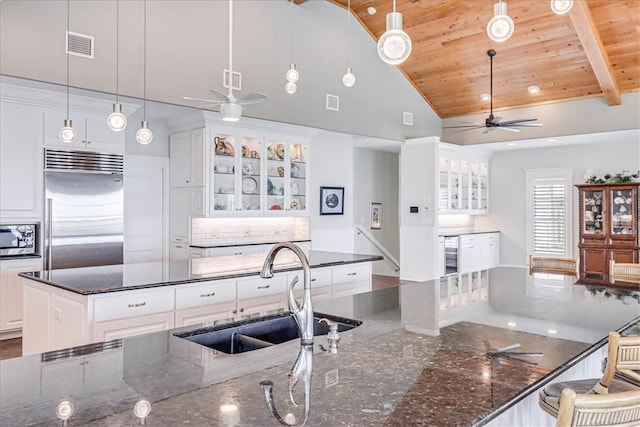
382, 374
76, 306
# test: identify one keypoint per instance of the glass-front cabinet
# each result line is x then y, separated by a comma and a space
256, 174
287, 170
464, 185
609, 218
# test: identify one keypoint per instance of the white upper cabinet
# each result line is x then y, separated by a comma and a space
254, 174
464, 183
287, 170
91, 128
20, 161
187, 158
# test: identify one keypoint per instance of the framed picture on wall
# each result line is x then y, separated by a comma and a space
376, 216
331, 200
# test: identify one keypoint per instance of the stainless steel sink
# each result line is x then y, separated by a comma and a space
254, 334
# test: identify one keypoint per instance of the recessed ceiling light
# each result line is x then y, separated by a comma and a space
485, 96
371, 10
511, 324
533, 89
552, 331
551, 140
511, 144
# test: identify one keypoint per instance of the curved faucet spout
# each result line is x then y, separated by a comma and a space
301, 370
302, 313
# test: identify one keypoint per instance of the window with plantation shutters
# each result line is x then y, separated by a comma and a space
549, 218
549, 215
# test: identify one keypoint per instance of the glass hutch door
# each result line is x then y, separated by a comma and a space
592, 208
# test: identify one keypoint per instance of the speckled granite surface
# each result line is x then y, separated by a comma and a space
382, 374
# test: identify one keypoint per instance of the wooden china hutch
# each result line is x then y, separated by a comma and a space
609, 219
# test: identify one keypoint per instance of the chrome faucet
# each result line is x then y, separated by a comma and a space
302, 314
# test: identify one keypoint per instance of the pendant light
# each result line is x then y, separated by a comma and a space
116, 120
144, 134
292, 74
560, 7
67, 132
501, 26
394, 46
349, 79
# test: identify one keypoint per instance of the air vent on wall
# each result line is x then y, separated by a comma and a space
79, 45
407, 118
333, 103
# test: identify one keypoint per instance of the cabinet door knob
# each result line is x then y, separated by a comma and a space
242, 310
234, 311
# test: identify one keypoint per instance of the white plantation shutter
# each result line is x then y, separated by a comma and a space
549, 212
549, 217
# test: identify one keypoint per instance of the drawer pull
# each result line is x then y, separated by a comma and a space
210, 294
140, 304
352, 274
264, 287
313, 280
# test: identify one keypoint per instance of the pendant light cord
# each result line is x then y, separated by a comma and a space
144, 62
117, 45
230, 47
348, 16
67, 43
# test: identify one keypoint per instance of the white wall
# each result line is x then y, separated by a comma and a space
332, 165
507, 184
377, 180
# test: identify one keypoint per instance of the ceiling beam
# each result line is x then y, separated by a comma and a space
582, 21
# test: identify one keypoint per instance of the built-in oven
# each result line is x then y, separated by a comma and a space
18, 239
450, 255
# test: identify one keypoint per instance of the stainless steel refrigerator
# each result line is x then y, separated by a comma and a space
84, 209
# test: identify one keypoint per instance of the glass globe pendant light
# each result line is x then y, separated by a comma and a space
67, 133
349, 79
500, 27
144, 135
116, 120
394, 46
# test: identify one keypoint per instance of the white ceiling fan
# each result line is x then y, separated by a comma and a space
493, 122
230, 106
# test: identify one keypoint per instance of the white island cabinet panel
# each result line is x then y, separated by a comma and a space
122, 328
11, 299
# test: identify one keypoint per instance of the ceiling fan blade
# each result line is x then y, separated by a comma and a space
468, 129
511, 122
221, 96
507, 129
526, 125
496, 119
188, 98
495, 362
474, 126
509, 347
252, 98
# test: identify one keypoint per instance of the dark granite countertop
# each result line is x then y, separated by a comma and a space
383, 374
125, 277
242, 244
460, 232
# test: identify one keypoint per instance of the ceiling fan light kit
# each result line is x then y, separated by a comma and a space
500, 28
230, 111
394, 46
560, 7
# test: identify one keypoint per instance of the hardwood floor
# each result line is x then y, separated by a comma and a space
382, 282
10, 348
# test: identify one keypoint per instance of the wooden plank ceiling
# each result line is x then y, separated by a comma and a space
592, 51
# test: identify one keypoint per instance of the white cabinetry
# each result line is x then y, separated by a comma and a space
179, 217
91, 128
287, 171
56, 318
478, 251
187, 158
11, 300
464, 183
20, 160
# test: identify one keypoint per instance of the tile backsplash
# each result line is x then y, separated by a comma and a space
242, 231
